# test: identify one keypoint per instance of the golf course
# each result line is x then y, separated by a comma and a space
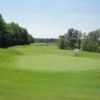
44, 72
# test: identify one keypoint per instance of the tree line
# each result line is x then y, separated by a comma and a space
75, 39
45, 40
12, 34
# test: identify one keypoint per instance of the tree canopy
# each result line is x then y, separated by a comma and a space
12, 34
71, 39
91, 42
75, 39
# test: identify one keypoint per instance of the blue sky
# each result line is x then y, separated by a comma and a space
51, 18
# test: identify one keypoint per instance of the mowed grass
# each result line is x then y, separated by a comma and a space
43, 72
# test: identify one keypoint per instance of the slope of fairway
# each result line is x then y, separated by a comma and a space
43, 72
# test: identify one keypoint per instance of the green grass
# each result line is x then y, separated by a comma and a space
43, 72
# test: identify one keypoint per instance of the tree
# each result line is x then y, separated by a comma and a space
61, 42
95, 36
79, 39
3, 32
72, 39
91, 42
88, 45
30, 39
12, 34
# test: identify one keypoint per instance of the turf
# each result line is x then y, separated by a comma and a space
43, 72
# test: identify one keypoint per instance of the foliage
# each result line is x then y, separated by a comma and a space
98, 49
92, 41
71, 40
61, 42
12, 34
45, 40
75, 39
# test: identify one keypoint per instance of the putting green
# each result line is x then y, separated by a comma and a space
57, 63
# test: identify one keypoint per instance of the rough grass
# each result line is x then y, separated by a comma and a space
43, 72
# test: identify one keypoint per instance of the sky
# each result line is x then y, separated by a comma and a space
51, 18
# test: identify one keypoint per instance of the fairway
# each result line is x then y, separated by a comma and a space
43, 72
